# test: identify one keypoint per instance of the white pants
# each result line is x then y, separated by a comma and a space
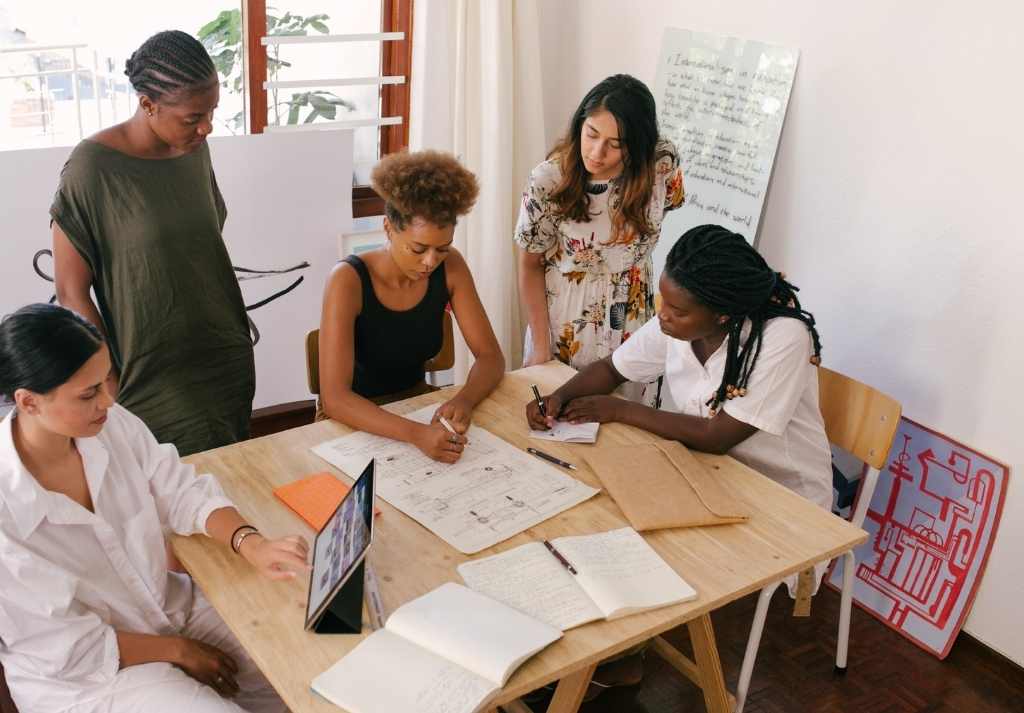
163, 688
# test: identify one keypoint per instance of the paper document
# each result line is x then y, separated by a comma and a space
569, 432
493, 492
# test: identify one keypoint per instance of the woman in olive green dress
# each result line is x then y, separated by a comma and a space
137, 219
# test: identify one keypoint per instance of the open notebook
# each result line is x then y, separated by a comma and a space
569, 432
618, 573
449, 651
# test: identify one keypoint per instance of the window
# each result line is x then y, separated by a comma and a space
62, 65
62, 69
324, 62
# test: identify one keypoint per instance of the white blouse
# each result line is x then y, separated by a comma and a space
790, 445
72, 577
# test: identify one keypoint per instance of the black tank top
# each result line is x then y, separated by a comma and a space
390, 346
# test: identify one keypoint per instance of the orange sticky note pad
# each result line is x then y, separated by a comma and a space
314, 498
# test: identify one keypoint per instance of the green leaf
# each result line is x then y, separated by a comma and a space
211, 27
298, 101
320, 27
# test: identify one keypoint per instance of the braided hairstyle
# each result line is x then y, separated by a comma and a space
724, 273
169, 62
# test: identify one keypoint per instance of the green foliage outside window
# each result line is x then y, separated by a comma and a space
223, 39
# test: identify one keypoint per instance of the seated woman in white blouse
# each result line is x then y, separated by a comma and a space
738, 357
90, 617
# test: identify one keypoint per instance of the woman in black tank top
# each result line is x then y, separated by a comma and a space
383, 312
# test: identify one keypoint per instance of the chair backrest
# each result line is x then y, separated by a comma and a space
313, 361
859, 419
444, 359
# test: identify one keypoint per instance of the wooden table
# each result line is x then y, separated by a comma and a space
785, 535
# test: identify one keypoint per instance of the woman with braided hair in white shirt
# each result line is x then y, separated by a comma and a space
738, 356
90, 617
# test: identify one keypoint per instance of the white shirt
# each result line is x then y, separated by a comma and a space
790, 445
72, 577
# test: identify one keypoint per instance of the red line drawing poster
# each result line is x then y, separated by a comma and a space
932, 521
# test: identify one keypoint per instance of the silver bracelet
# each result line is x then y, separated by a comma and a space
241, 539
242, 530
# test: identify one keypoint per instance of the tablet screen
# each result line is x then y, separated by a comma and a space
341, 544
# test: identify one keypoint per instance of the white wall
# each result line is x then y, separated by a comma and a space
892, 203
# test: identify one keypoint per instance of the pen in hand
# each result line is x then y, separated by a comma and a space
540, 401
448, 427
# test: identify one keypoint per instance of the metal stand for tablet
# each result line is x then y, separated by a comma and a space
344, 615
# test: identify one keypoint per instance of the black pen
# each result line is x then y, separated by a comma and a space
540, 403
559, 557
550, 458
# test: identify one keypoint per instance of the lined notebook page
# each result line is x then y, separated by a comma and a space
530, 579
472, 630
622, 573
387, 673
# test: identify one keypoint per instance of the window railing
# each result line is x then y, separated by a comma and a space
105, 85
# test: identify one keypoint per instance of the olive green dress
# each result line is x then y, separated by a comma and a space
150, 230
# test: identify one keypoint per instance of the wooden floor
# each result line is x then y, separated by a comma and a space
795, 669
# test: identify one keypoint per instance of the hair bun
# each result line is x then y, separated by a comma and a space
129, 66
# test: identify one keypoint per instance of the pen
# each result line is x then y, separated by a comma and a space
448, 427
559, 557
550, 458
375, 606
540, 403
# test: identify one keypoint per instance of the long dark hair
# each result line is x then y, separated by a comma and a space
42, 346
169, 62
725, 274
632, 104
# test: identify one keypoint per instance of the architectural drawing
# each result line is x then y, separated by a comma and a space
932, 521
495, 491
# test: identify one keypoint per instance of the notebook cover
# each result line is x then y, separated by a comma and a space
314, 498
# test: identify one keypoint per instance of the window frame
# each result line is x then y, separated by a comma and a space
396, 59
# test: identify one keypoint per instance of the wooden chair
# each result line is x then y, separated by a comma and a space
863, 422
443, 360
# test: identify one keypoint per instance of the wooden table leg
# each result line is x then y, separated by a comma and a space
705, 651
570, 691
516, 706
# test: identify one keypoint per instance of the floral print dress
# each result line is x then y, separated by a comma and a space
599, 286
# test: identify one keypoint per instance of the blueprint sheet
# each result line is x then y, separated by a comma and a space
493, 492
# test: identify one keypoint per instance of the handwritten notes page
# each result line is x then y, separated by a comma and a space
722, 100
448, 651
618, 573
530, 579
493, 492
622, 573
566, 432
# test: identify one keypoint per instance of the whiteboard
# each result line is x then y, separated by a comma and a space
289, 198
722, 101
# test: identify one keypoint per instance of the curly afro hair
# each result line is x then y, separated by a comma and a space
430, 185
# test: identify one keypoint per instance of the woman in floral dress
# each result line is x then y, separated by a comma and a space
590, 219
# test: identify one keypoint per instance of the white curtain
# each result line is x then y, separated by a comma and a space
489, 113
